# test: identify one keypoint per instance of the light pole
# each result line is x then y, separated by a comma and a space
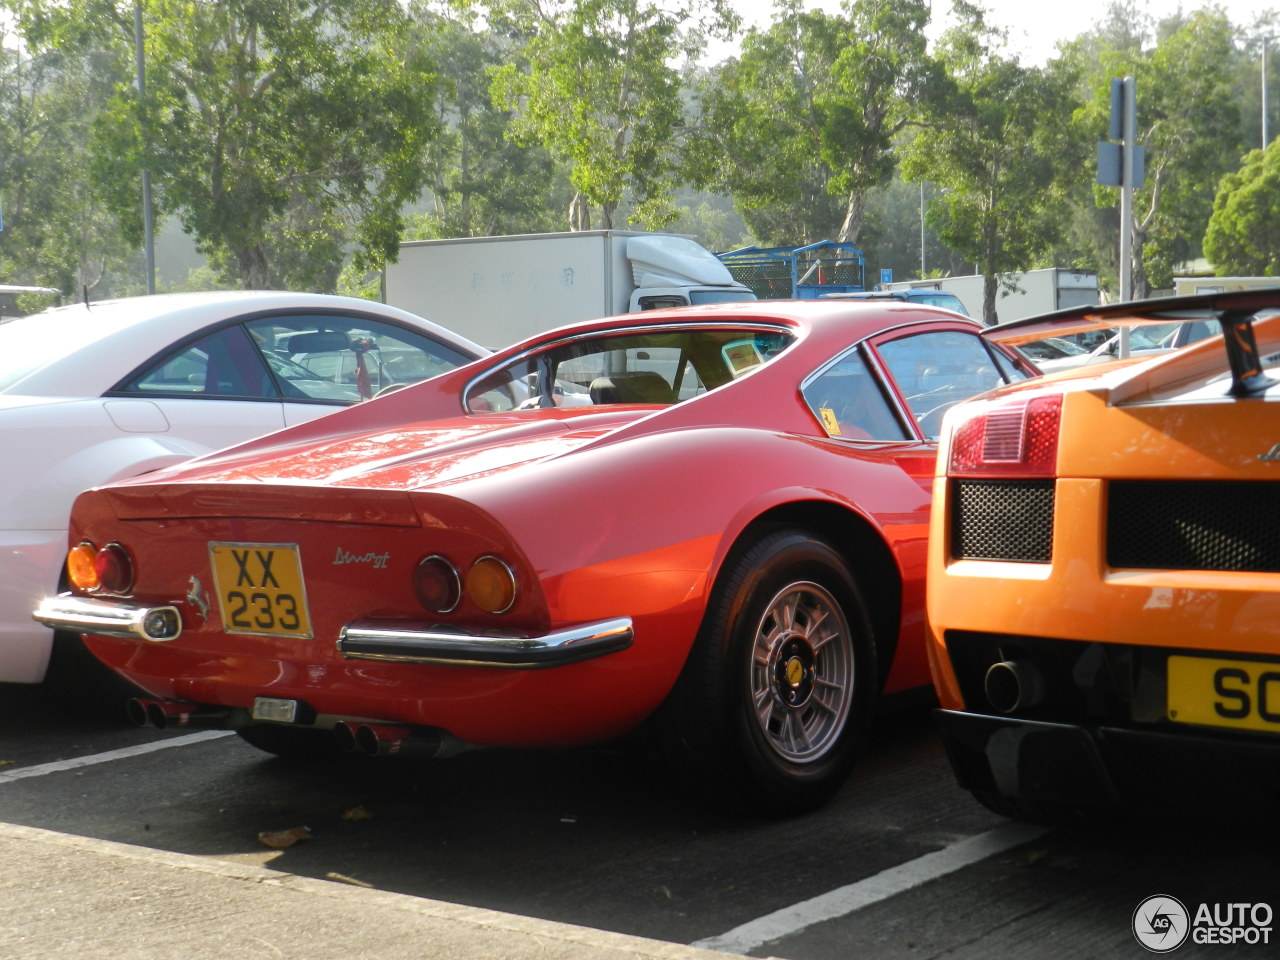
922, 273
1264, 92
147, 233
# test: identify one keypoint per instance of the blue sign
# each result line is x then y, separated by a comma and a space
886, 276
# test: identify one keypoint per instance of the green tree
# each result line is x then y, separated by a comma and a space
892, 233
278, 131
481, 182
1001, 147
1252, 41
800, 128
57, 231
1189, 125
1243, 238
595, 85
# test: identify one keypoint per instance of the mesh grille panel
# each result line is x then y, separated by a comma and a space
1194, 525
1002, 520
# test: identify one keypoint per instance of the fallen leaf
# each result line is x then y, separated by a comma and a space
280, 839
357, 813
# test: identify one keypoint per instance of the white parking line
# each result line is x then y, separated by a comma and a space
59, 766
845, 900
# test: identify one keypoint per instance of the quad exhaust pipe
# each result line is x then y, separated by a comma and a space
174, 713
388, 740
369, 739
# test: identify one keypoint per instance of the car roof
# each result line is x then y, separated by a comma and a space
107, 339
835, 320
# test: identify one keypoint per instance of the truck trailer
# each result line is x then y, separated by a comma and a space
1037, 292
497, 290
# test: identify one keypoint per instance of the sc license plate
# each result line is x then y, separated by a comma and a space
260, 589
1241, 694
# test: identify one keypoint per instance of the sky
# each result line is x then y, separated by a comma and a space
1035, 26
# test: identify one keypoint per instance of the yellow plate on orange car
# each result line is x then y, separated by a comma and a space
1242, 694
260, 589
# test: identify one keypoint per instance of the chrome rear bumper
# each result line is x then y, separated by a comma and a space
399, 641
407, 642
110, 618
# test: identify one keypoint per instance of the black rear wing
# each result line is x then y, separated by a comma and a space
1236, 310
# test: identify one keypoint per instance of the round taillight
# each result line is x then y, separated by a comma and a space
491, 585
437, 585
82, 570
114, 567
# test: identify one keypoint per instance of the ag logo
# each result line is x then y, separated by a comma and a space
1161, 923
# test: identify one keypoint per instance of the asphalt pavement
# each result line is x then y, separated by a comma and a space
64, 896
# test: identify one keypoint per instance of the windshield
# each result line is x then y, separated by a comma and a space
948, 301
654, 366
720, 296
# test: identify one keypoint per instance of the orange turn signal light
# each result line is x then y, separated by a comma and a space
491, 585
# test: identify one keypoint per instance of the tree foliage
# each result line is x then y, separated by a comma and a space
1189, 125
594, 84
481, 182
801, 127
294, 139
276, 130
57, 231
1243, 238
1000, 145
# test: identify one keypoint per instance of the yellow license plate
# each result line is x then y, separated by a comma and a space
1242, 694
260, 589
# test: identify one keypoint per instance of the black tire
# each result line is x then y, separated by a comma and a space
776, 697
295, 743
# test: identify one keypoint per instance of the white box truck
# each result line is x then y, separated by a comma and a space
1190, 286
1039, 291
497, 290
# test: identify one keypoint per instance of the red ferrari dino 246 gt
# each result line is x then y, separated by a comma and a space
713, 518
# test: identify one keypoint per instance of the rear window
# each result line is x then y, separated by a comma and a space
658, 366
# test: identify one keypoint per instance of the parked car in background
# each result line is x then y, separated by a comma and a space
93, 393
17, 300
722, 532
1054, 348
1143, 342
1104, 570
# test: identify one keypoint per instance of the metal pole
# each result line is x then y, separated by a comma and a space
147, 233
922, 273
1264, 92
1128, 140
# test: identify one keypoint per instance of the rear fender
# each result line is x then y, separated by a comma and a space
47, 499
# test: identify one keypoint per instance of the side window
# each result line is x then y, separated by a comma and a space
848, 402
348, 358
223, 364
936, 370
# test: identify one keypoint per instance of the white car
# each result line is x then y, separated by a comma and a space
99, 392
1143, 342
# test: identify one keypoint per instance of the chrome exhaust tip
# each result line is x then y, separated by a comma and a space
387, 739
1013, 685
163, 714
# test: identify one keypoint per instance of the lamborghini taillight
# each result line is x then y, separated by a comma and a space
1014, 436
